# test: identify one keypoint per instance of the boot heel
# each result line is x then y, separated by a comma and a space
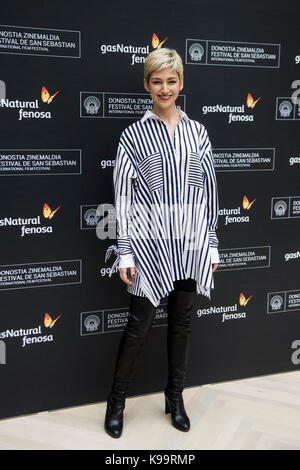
114, 416
167, 407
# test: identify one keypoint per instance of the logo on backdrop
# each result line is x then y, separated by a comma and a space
108, 321
234, 215
35, 335
40, 274
292, 256
103, 164
31, 225
288, 107
99, 104
39, 162
37, 41
46, 97
138, 53
235, 113
285, 207
21, 105
231, 53
294, 160
91, 323
92, 105
229, 312
251, 257
283, 301
244, 159
88, 217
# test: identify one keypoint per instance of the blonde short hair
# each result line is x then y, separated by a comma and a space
161, 59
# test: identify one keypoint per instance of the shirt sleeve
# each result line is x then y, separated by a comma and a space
214, 253
126, 261
211, 189
123, 179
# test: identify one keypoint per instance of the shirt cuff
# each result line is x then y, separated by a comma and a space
126, 261
214, 255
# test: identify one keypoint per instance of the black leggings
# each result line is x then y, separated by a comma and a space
186, 285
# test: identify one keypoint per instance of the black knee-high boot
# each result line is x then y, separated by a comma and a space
134, 336
180, 306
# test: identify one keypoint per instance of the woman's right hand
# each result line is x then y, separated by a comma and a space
124, 275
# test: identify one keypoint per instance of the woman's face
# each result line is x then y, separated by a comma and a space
164, 87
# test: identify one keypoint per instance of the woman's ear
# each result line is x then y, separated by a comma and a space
146, 85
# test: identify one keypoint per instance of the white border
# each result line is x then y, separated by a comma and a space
246, 148
110, 310
234, 42
101, 322
45, 150
246, 248
45, 29
118, 93
285, 300
46, 285
87, 205
289, 209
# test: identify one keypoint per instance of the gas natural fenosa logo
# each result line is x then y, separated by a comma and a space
33, 335
229, 312
138, 53
31, 225
235, 113
23, 105
234, 215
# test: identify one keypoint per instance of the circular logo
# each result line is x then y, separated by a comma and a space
92, 105
276, 302
196, 52
91, 323
280, 207
285, 108
91, 218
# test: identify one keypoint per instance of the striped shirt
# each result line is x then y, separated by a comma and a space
166, 203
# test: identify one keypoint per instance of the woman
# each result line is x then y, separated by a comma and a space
166, 204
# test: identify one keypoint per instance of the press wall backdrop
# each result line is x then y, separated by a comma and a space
71, 79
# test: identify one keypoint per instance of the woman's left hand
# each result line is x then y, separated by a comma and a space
214, 266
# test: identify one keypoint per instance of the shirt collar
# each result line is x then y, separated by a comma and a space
149, 114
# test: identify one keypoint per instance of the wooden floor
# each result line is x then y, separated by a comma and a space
257, 413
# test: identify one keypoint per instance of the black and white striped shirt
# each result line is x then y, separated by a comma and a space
166, 202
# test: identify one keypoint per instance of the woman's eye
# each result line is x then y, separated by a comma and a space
156, 83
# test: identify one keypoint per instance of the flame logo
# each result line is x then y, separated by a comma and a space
47, 212
243, 301
250, 101
45, 95
246, 203
48, 322
155, 42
